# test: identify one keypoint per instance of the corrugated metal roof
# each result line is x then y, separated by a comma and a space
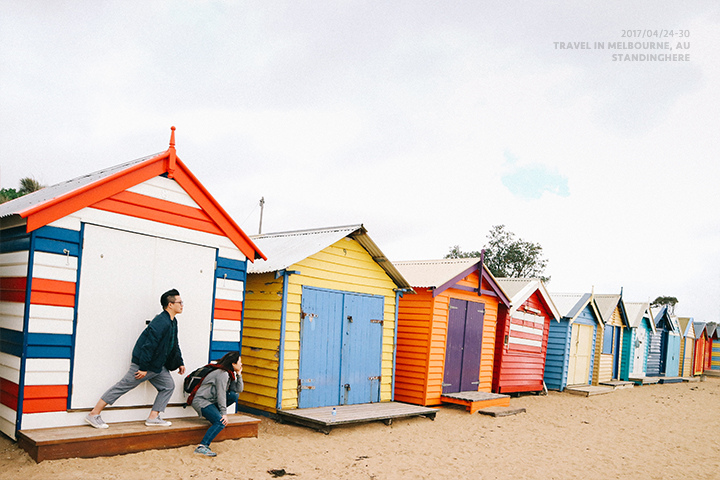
21, 204
636, 311
433, 273
686, 326
570, 304
606, 305
284, 249
520, 289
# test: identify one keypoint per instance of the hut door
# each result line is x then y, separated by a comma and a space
617, 339
640, 345
699, 356
580, 354
123, 275
464, 346
340, 348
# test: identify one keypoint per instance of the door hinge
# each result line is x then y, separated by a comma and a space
381, 322
379, 377
447, 384
305, 387
305, 314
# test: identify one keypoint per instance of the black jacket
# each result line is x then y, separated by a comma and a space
158, 346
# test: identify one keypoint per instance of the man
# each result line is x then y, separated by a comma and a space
155, 355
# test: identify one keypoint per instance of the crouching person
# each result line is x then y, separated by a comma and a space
218, 390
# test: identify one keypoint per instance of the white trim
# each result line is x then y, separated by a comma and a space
226, 289
164, 189
51, 319
225, 335
530, 330
55, 267
525, 341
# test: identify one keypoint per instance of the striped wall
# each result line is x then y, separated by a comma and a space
715, 355
422, 337
37, 339
344, 266
38, 294
687, 348
520, 361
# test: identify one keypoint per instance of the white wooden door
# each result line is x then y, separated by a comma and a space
580, 354
640, 347
123, 275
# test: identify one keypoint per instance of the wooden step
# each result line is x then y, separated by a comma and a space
474, 401
127, 437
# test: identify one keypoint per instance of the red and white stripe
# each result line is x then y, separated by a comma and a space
526, 329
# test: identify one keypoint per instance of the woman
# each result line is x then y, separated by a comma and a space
218, 389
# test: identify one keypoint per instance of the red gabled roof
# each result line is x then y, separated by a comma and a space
53, 203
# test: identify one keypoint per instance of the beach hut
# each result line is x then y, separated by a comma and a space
701, 348
687, 346
572, 341
319, 326
522, 335
665, 346
82, 266
446, 333
714, 346
636, 344
608, 357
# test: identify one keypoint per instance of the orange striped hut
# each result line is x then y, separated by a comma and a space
82, 266
446, 333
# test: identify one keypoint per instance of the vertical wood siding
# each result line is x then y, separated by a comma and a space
344, 266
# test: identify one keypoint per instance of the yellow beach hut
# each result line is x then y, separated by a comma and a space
319, 325
610, 338
687, 346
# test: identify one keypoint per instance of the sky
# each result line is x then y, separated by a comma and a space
428, 122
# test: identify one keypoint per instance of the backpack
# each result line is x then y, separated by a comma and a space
192, 382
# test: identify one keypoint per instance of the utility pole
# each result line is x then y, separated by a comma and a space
262, 207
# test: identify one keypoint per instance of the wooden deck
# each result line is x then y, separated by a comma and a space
322, 419
127, 437
644, 380
474, 401
670, 380
589, 390
618, 384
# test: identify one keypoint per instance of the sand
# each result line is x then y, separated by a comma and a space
650, 432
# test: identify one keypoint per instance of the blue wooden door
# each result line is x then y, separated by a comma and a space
340, 348
463, 347
360, 366
617, 332
673, 363
320, 330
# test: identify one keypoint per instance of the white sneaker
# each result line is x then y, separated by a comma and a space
157, 422
95, 421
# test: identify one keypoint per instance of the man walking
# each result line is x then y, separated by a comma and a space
155, 355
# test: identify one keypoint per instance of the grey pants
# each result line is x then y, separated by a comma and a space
162, 381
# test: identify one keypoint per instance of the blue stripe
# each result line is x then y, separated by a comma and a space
62, 234
231, 269
14, 240
11, 342
50, 339
218, 349
232, 264
56, 246
44, 351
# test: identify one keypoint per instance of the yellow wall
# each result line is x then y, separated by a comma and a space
603, 368
344, 266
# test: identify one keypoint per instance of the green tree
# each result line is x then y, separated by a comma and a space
662, 301
506, 256
27, 185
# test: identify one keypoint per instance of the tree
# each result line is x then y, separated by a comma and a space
507, 257
27, 185
670, 302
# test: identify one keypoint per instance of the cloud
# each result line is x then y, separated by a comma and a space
529, 182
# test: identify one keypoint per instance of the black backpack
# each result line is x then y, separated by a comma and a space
192, 382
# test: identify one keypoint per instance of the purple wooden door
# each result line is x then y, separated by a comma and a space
463, 347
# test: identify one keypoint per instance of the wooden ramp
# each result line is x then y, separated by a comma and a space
690, 379
712, 373
589, 390
322, 419
644, 380
127, 437
474, 401
618, 384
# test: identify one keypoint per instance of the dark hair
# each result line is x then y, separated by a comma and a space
168, 297
228, 359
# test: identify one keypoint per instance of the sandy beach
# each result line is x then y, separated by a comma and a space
650, 432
